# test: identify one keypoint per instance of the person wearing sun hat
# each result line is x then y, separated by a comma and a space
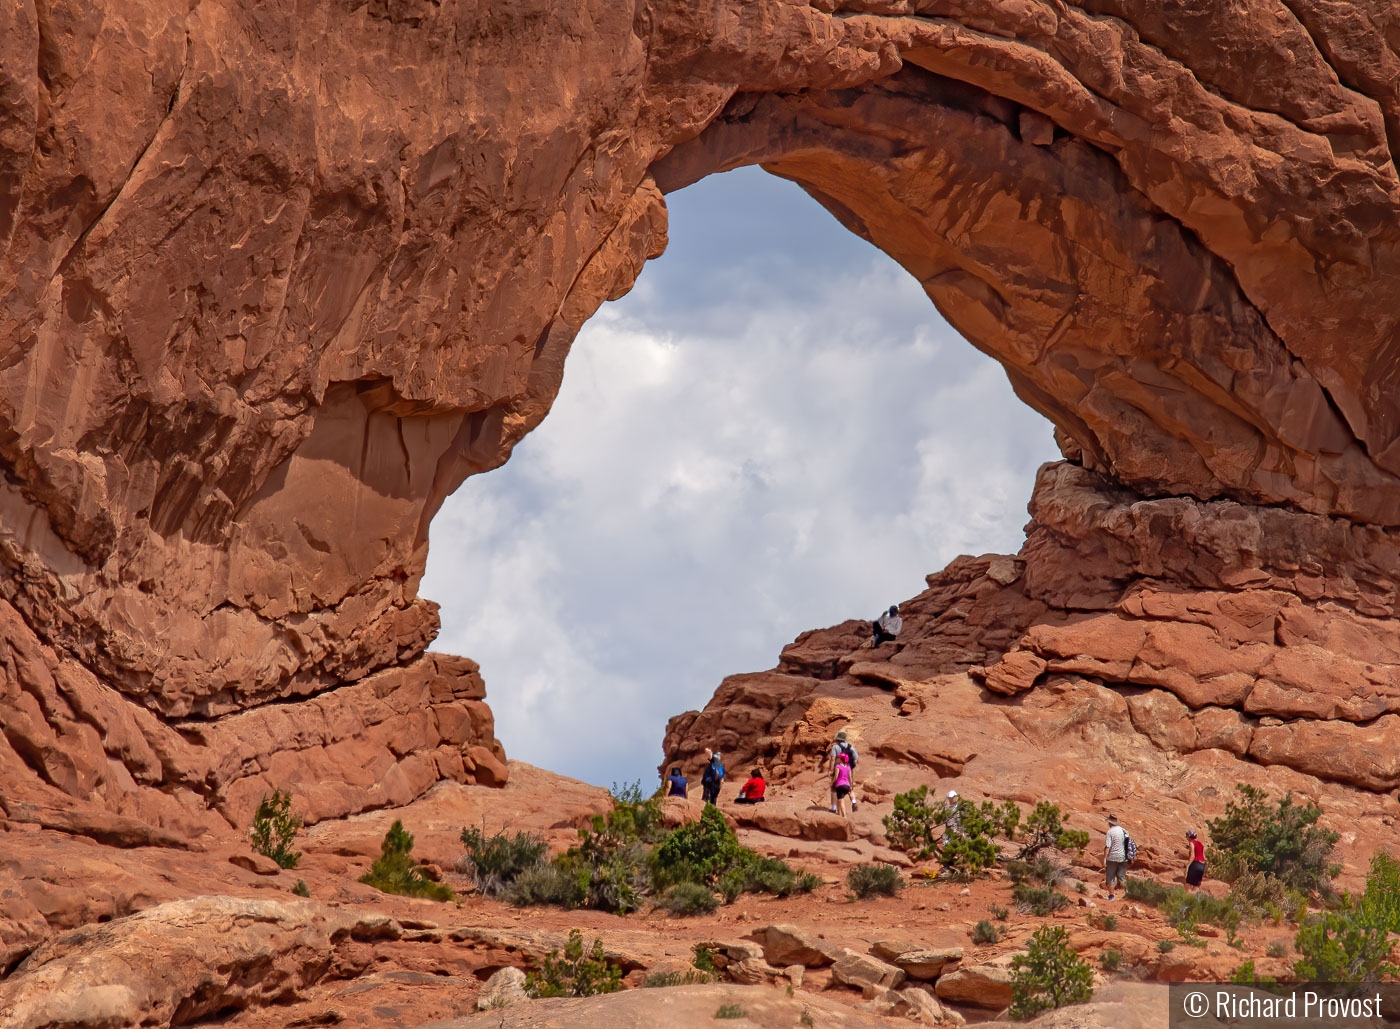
841, 747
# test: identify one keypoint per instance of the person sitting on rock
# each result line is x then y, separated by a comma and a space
712, 778
841, 786
676, 784
887, 626
842, 746
752, 791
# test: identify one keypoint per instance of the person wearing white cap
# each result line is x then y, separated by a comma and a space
953, 826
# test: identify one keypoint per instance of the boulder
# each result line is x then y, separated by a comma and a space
985, 985
864, 972
256, 863
788, 945
918, 963
504, 988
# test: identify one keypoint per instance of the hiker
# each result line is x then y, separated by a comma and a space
841, 785
676, 784
1115, 855
752, 791
712, 777
842, 747
887, 626
953, 826
1196, 870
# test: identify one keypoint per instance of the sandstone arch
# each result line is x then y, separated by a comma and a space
274, 282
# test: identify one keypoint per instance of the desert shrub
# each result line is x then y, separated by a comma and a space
1049, 975
689, 977
1037, 900
966, 856
1281, 839
1244, 973
704, 958
985, 932
914, 826
731, 1011
1046, 870
547, 884
1166, 946
395, 870
1340, 947
494, 862
301, 889
1111, 960
1276, 949
273, 829
1109, 922
999, 913
689, 899
868, 880
1257, 893
700, 852
1045, 828
1146, 891
578, 973
1380, 902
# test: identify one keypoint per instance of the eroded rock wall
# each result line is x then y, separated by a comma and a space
275, 281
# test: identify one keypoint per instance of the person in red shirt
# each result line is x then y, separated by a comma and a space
752, 791
1196, 870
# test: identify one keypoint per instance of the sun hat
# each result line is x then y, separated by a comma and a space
841, 735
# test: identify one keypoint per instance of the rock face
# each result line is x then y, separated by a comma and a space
272, 285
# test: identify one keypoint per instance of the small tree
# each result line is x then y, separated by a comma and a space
1049, 975
273, 829
1282, 840
913, 826
576, 974
1045, 828
395, 871
1338, 947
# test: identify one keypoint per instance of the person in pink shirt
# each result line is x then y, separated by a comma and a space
841, 785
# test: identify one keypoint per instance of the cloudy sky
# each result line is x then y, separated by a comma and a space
774, 431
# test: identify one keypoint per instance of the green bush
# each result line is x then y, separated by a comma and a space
1257, 893
1045, 828
1277, 949
1111, 960
1339, 947
704, 958
999, 913
914, 826
576, 974
689, 899
967, 856
1166, 946
395, 871
548, 884
867, 880
1380, 903
1109, 923
731, 1011
1146, 891
301, 889
1280, 839
984, 932
495, 862
1037, 900
273, 829
1244, 973
1049, 975
700, 852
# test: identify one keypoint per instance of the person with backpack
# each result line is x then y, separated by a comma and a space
1196, 868
712, 778
887, 626
841, 786
752, 791
676, 784
1118, 852
842, 747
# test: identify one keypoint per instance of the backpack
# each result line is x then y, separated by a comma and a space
1129, 848
849, 751
718, 767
